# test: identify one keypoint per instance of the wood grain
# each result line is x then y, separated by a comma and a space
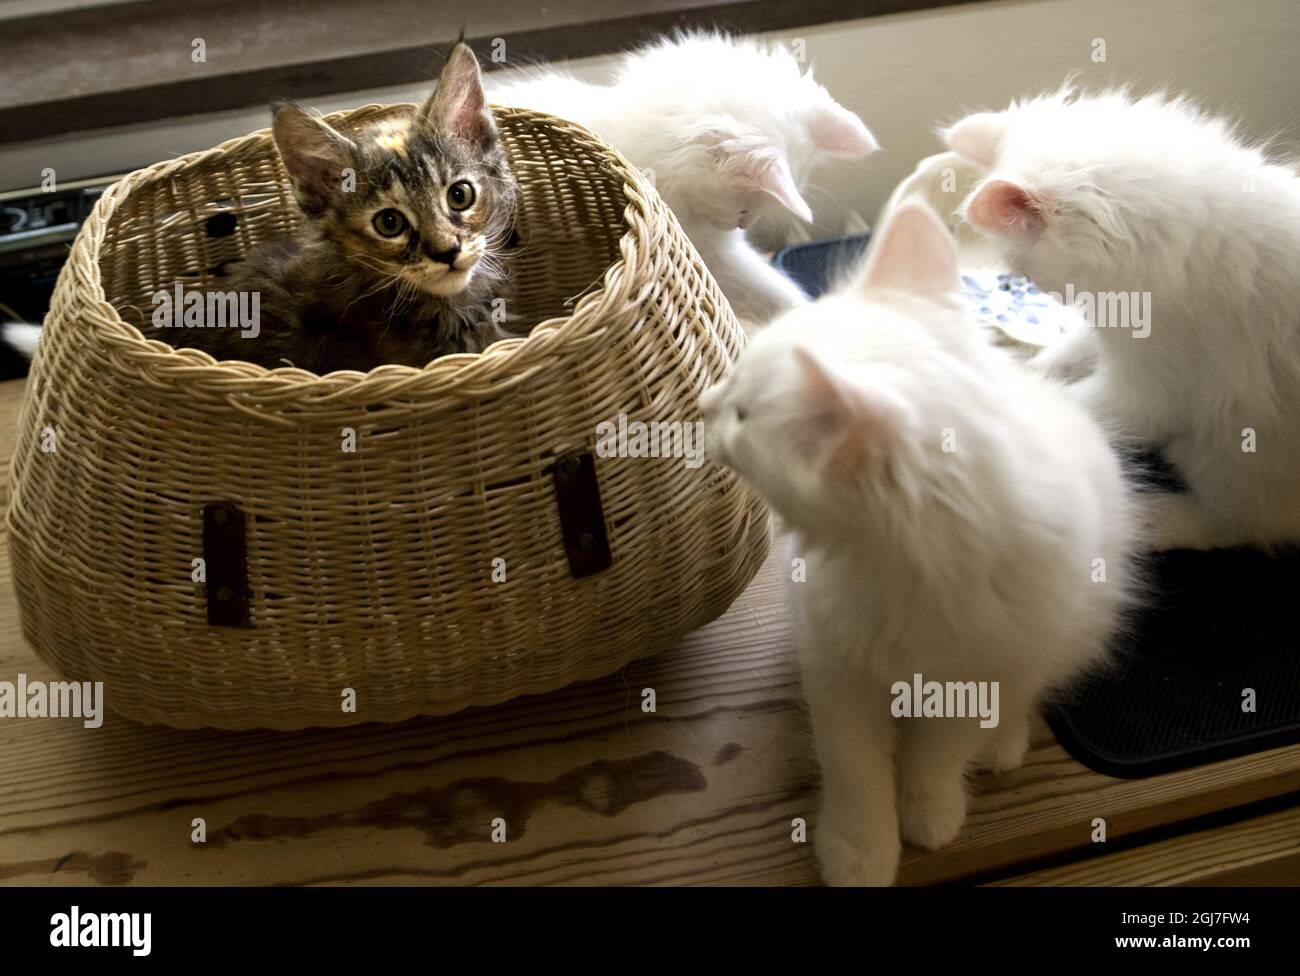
592, 789
1257, 851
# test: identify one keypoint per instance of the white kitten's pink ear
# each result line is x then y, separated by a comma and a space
978, 137
314, 154
770, 173
1003, 207
841, 426
457, 106
838, 132
749, 161
913, 252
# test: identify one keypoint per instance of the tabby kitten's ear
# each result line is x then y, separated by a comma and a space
457, 106
315, 156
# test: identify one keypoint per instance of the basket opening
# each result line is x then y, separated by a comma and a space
191, 225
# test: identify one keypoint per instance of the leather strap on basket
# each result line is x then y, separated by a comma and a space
225, 559
582, 519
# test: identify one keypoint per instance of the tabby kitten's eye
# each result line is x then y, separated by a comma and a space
389, 222
460, 196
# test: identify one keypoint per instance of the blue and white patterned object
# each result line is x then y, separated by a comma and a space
1015, 305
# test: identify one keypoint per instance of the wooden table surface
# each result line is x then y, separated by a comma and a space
591, 789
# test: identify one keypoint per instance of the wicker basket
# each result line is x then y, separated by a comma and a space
378, 570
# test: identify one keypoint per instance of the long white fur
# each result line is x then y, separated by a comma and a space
22, 337
1151, 195
971, 564
730, 127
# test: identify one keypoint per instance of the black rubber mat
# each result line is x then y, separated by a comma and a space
815, 264
1210, 667
1210, 670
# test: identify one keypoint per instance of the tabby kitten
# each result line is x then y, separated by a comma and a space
401, 267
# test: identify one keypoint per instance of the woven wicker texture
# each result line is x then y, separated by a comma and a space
371, 570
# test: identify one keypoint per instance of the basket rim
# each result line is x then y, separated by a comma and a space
469, 374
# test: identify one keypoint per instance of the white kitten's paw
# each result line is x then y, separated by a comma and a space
852, 861
931, 820
1055, 367
1069, 359
1004, 752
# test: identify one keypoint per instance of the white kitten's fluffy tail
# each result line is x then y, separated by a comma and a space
21, 337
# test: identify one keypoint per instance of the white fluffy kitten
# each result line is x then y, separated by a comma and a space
950, 504
730, 127
1111, 194
22, 337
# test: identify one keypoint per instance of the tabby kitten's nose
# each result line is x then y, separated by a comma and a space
447, 257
